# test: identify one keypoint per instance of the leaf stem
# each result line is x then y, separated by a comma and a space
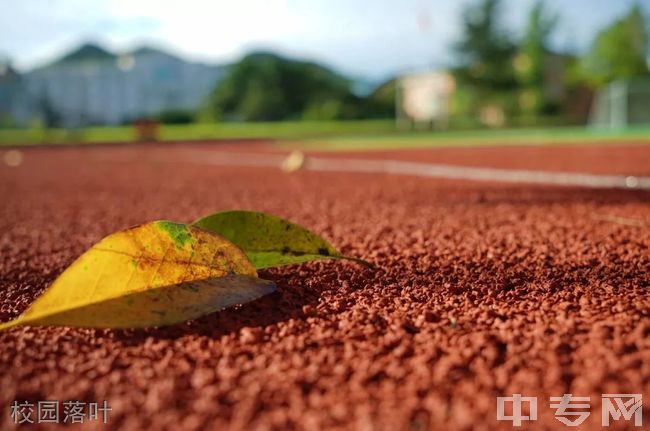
359, 261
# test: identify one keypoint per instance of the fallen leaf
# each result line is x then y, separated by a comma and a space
156, 274
294, 162
271, 241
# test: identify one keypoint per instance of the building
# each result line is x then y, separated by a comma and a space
424, 99
92, 86
10, 93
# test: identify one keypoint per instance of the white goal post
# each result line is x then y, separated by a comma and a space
621, 104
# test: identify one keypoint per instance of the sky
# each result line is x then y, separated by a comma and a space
371, 38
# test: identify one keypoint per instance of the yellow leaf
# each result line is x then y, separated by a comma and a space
156, 274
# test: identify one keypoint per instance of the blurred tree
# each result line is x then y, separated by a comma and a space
485, 50
267, 87
6, 121
531, 62
176, 116
487, 84
381, 102
619, 51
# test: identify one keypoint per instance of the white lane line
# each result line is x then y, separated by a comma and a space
481, 174
431, 170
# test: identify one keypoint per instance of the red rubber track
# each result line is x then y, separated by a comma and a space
484, 290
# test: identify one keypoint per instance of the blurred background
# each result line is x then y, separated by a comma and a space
120, 70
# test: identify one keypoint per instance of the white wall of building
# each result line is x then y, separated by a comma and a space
113, 91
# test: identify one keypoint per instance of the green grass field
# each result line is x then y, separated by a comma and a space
330, 135
401, 140
189, 132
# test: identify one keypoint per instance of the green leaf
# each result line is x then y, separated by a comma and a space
271, 241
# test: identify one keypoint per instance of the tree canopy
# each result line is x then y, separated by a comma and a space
485, 50
619, 51
266, 87
531, 62
535, 44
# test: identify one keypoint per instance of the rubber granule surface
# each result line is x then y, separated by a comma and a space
483, 290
